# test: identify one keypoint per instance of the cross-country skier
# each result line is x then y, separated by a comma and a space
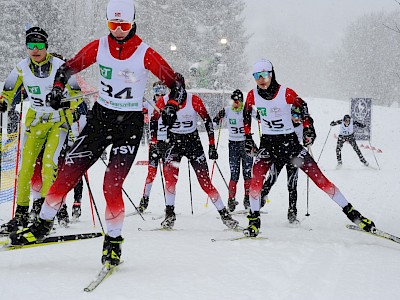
280, 143
291, 170
116, 119
45, 126
156, 152
237, 154
184, 140
346, 134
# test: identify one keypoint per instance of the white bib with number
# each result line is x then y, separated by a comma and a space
275, 114
162, 129
186, 118
346, 130
121, 82
37, 88
235, 124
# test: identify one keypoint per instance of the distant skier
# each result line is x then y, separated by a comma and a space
346, 134
237, 154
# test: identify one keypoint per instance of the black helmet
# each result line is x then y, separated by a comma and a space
36, 35
346, 118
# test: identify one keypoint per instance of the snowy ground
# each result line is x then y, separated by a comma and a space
319, 260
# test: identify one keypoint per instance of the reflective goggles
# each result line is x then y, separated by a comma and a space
263, 74
32, 46
160, 90
124, 26
296, 115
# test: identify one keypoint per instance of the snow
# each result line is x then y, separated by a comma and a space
321, 259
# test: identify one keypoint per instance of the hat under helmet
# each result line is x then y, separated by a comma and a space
36, 35
121, 10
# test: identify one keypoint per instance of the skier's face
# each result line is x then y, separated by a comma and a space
37, 55
264, 82
119, 29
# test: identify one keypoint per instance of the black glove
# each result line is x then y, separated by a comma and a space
212, 152
153, 151
237, 95
333, 123
309, 136
168, 114
54, 98
3, 105
216, 120
178, 93
250, 146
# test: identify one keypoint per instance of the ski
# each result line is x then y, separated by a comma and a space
162, 216
236, 229
376, 232
257, 238
51, 240
158, 229
104, 273
135, 213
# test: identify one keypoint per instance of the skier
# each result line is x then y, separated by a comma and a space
280, 143
292, 170
116, 119
184, 140
156, 152
346, 134
237, 154
44, 126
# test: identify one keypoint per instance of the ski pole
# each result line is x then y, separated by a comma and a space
1, 145
90, 200
190, 188
323, 147
214, 162
18, 151
94, 203
162, 181
126, 194
220, 172
373, 154
308, 181
75, 97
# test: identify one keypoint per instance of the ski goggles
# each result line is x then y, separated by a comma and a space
124, 26
160, 90
32, 46
263, 74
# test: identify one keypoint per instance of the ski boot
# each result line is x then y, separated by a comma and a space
339, 164
111, 251
170, 217
36, 206
246, 202
76, 211
35, 232
254, 224
232, 204
354, 216
62, 216
292, 216
19, 221
144, 203
227, 219
365, 163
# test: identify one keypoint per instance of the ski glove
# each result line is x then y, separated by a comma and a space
54, 98
237, 95
309, 136
212, 152
168, 114
153, 151
333, 123
3, 105
178, 93
250, 146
